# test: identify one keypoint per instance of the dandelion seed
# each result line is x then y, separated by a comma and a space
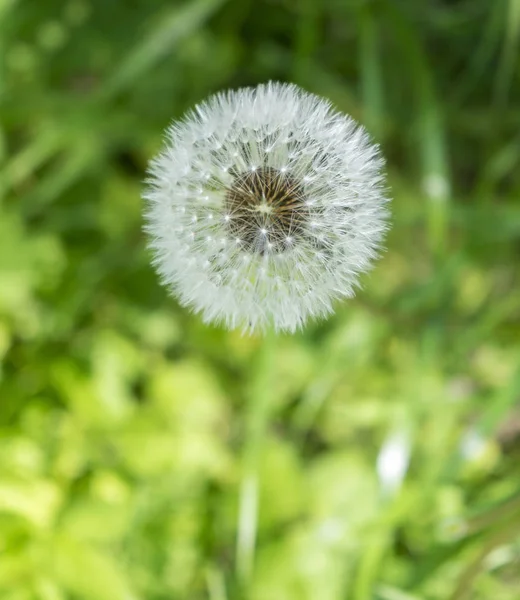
294, 186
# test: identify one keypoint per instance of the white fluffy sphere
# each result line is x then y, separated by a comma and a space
264, 206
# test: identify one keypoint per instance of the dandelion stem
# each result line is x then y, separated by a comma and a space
257, 418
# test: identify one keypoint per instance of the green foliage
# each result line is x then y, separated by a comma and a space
130, 432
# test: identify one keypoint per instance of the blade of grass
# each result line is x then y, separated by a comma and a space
430, 136
464, 586
305, 38
24, 164
62, 176
502, 403
477, 529
387, 592
215, 584
174, 27
5, 7
499, 166
482, 56
510, 49
372, 88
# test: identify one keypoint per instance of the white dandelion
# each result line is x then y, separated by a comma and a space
264, 207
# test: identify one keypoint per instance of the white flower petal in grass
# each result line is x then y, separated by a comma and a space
472, 444
264, 206
392, 461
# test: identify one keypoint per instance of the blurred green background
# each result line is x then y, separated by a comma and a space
384, 442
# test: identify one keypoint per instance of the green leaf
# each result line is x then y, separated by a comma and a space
87, 572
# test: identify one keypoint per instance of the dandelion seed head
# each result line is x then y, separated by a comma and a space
264, 207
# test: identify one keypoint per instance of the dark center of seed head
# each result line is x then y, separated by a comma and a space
266, 209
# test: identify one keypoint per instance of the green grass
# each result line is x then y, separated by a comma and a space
146, 456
